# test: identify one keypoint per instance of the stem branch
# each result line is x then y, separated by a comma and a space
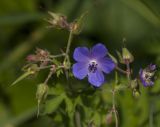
49, 76
59, 55
121, 70
68, 47
128, 73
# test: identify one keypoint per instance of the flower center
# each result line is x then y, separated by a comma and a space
92, 66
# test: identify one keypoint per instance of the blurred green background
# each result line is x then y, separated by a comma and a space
23, 28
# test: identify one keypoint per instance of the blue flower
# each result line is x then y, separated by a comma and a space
147, 75
92, 63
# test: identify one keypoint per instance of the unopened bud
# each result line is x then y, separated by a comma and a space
127, 56
42, 52
134, 84
32, 58
136, 93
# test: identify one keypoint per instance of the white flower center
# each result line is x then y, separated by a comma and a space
92, 66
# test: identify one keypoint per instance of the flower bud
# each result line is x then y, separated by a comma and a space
127, 56
134, 84
136, 93
32, 58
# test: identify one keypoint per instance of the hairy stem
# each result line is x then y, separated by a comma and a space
49, 76
128, 73
151, 116
59, 55
121, 70
77, 119
114, 108
128, 70
68, 47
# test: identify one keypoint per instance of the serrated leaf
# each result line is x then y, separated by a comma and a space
56, 62
52, 104
59, 72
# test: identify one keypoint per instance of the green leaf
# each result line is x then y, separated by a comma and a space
56, 62
120, 87
57, 90
69, 105
97, 119
52, 104
59, 72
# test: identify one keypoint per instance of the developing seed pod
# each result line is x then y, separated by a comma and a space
134, 84
58, 21
136, 93
41, 94
77, 26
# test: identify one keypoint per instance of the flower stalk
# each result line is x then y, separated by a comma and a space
66, 58
114, 108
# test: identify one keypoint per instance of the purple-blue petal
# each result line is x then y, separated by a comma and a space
141, 77
80, 70
106, 64
96, 79
99, 50
152, 67
81, 54
143, 80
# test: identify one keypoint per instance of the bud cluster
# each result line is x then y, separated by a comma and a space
41, 56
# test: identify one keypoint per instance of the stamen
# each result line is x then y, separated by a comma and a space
92, 66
